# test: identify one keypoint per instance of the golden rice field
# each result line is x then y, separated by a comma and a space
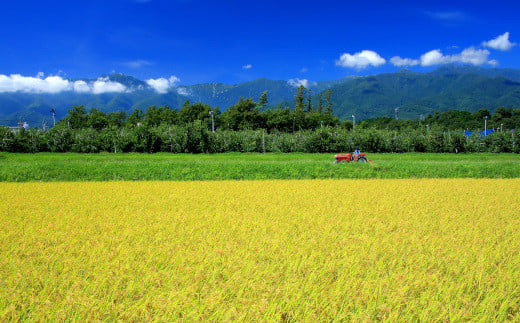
306, 250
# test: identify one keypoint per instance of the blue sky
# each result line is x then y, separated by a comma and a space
234, 41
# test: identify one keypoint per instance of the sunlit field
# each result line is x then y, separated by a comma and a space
52, 167
413, 249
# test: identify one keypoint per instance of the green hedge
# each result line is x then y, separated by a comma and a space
195, 138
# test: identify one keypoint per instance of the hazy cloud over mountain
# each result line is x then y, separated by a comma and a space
162, 85
398, 61
56, 84
296, 82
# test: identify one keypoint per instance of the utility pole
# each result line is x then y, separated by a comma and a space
485, 126
396, 112
263, 141
353, 122
501, 125
53, 112
212, 121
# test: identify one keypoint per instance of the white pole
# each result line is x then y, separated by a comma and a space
263, 140
212, 121
353, 123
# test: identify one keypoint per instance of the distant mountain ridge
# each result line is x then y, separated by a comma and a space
458, 87
449, 87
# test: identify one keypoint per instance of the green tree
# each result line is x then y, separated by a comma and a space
116, 119
299, 98
243, 115
263, 101
191, 112
327, 96
78, 117
320, 103
97, 119
279, 119
135, 118
309, 102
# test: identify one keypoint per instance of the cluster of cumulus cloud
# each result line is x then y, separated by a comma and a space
57, 84
363, 59
471, 55
296, 82
162, 85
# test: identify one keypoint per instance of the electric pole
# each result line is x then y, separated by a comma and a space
53, 112
212, 121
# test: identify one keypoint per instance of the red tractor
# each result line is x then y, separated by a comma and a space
347, 158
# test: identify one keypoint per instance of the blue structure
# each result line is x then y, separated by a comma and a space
483, 133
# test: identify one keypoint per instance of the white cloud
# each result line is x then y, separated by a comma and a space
433, 57
19, 83
246, 67
104, 85
398, 61
500, 42
493, 62
360, 60
161, 85
472, 56
304, 69
56, 84
81, 87
183, 91
296, 82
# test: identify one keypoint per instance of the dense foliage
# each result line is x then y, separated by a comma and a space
196, 138
502, 119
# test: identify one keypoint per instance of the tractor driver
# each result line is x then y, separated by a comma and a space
356, 152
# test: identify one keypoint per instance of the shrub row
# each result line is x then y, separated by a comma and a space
194, 138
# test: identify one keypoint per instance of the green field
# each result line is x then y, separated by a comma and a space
246, 166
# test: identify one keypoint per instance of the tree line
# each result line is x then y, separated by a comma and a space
246, 114
306, 114
502, 119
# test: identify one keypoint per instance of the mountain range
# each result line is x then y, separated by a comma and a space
457, 87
